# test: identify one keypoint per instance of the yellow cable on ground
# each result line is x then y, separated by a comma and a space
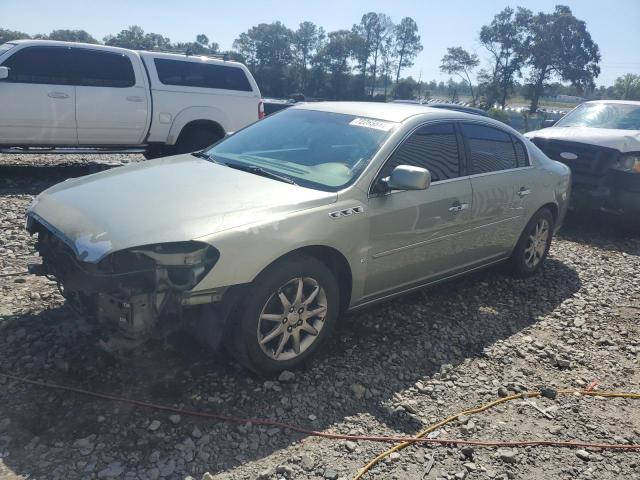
482, 408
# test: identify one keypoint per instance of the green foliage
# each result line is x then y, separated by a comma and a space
459, 62
558, 45
9, 35
407, 44
499, 114
627, 87
71, 36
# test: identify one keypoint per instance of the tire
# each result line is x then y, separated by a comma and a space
533, 246
262, 313
157, 151
196, 137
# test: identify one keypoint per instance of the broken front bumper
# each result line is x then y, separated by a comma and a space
618, 194
129, 291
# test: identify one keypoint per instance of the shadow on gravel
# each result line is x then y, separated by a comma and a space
374, 355
603, 231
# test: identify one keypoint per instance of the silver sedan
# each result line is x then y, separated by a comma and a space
263, 241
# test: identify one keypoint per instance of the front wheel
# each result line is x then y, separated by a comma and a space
533, 246
287, 314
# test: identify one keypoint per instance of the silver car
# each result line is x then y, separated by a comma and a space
262, 242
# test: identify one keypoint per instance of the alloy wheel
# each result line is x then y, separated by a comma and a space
292, 318
537, 243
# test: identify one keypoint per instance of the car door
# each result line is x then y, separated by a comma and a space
419, 235
37, 100
111, 98
501, 179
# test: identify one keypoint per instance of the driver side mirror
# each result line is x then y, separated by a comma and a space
405, 177
4, 73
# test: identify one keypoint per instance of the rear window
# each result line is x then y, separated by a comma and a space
203, 75
44, 65
102, 69
490, 149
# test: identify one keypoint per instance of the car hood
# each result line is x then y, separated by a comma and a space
166, 200
622, 140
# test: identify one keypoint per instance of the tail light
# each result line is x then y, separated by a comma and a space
260, 110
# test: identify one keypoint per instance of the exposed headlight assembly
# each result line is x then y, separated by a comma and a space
628, 162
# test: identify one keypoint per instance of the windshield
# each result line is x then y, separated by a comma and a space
620, 116
6, 46
321, 150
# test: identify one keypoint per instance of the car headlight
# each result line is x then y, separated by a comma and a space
629, 162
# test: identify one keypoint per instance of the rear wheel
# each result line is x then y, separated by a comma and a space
533, 246
197, 137
287, 314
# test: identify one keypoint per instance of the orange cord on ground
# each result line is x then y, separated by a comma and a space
404, 441
589, 391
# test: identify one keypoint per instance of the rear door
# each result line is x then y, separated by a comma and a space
111, 98
502, 181
418, 235
37, 101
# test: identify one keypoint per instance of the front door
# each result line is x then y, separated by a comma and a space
419, 235
37, 100
112, 103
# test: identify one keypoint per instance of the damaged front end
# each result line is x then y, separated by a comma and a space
128, 292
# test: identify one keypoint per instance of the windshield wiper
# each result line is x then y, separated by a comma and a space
260, 171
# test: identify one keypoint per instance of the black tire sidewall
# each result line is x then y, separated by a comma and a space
196, 138
243, 330
519, 266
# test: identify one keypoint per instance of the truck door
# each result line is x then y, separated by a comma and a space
37, 100
111, 98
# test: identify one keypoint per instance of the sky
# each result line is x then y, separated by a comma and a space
613, 24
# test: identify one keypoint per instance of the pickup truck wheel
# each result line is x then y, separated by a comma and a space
533, 246
157, 151
287, 314
196, 137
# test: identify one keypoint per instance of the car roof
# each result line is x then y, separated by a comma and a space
391, 112
627, 102
108, 48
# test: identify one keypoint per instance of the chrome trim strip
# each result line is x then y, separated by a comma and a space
443, 237
358, 306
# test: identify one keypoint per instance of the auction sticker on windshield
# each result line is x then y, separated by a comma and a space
370, 123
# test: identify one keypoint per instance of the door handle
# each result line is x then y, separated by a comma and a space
458, 207
524, 192
58, 95
135, 98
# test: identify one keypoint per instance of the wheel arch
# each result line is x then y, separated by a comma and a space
193, 116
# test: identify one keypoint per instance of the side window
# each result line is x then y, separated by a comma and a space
521, 153
203, 75
44, 65
434, 147
102, 69
490, 149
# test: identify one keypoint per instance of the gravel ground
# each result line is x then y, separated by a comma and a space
392, 369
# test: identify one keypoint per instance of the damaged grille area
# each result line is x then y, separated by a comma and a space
128, 290
591, 165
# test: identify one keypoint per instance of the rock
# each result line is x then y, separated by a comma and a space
358, 390
563, 362
168, 468
548, 392
394, 456
207, 476
154, 425
153, 473
351, 446
175, 419
286, 376
507, 455
470, 466
503, 392
330, 474
583, 455
307, 462
112, 470
467, 451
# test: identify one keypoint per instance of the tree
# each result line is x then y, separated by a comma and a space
407, 44
457, 61
246, 47
381, 33
405, 89
334, 58
9, 35
135, 39
270, 46
71, 36
558, 45
504, 38
306, 41
627, 87
362, 44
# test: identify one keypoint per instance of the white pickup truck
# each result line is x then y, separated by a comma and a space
72, 96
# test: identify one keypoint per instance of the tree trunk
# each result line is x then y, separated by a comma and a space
537, 92
375, 66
